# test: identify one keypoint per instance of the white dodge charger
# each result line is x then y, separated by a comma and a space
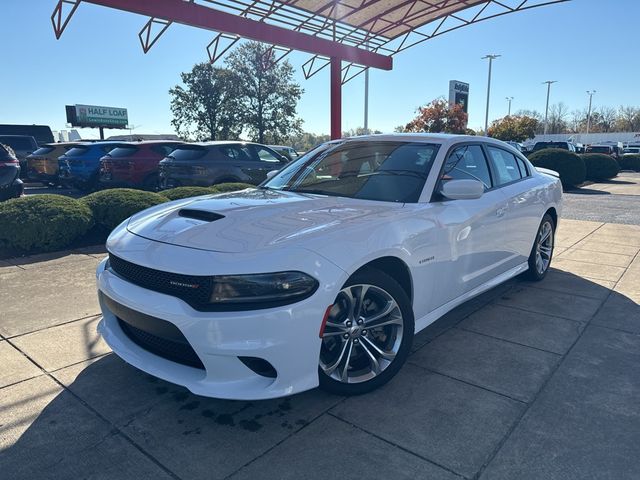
323, 274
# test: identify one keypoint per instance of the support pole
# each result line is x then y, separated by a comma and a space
336, 98
101, 133
366, 102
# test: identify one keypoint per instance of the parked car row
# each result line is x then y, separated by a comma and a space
210, 163
152, 164
613, 150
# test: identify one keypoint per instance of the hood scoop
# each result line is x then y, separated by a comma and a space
202, 215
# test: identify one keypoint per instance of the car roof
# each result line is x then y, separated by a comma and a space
60, 144
18, 136
438, 138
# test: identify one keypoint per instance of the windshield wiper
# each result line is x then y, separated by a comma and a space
317, 192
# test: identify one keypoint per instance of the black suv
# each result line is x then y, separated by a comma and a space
563, 145
10, 185
205, 164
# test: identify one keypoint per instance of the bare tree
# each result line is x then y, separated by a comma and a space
628, 119
558, 114
608, 117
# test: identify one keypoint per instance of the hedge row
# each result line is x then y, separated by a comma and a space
52, 222
571, 167
575, 169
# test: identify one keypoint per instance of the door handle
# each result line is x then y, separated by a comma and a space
501, 211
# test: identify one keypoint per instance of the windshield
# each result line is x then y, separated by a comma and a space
600, 149
384, 171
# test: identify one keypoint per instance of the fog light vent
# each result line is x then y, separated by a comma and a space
259, 366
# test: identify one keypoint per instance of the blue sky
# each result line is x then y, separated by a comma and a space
584, 44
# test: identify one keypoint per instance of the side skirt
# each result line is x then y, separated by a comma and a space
431, 317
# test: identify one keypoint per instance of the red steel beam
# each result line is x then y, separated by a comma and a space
336, 98
200, 16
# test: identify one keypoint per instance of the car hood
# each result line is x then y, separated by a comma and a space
253, 219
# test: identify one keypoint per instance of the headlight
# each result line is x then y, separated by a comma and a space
265, 288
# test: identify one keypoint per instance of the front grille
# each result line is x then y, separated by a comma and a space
155, 335
175, 351
193, 289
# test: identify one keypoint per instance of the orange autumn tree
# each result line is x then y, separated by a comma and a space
439, 117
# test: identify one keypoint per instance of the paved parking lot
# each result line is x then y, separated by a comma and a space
526, 381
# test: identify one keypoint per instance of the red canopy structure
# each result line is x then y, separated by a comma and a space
350, 36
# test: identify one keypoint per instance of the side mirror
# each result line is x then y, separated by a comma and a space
272, 174
462, 189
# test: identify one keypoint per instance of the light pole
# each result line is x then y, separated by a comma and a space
591, 93
509, 99
546, 112
486, 117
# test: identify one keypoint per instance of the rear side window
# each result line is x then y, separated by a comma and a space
123, 152
468, 163
188, 153
505, 166
43, 151
524, 171
236, 152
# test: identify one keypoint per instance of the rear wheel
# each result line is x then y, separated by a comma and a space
368, 334
542, 251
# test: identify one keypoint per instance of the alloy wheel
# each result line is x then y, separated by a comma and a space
544, 247
363, 334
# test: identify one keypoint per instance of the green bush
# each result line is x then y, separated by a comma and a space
630, 162
231, 187
111, 207
570, 166
186, 192
600, 167
43, 222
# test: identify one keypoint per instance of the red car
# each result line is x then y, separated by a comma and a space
135, 164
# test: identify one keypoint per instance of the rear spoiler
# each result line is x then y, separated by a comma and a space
546, 171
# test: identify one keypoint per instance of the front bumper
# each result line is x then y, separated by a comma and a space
286, 337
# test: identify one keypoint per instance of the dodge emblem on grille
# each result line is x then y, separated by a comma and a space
184, 285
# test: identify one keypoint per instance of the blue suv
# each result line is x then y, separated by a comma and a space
79, 166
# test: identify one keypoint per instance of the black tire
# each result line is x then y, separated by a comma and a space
151, 183
534, 273
381, 280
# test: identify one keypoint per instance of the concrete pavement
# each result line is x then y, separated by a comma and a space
530, 380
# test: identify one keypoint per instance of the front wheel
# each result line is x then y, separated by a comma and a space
368, 334
542, 251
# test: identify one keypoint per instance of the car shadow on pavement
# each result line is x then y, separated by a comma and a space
586, 191
106, 419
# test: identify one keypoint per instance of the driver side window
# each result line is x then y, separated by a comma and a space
467, 163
